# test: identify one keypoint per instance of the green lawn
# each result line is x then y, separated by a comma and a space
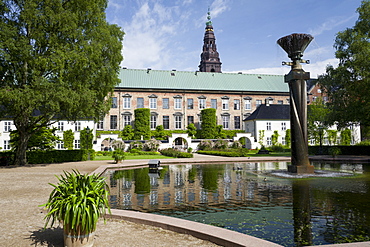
136, 157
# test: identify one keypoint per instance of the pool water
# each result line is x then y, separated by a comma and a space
244, 197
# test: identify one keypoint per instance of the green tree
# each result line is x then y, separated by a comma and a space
43, 139
142, 124
127, 133
86, 138
287, 138
220, 132
317, 119
68, 138
261, 138
209, 121
345, 137
275, 138
191, 130
332, 136
58, 60
348, 85
159, 133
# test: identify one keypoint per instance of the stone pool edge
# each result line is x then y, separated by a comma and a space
214, 234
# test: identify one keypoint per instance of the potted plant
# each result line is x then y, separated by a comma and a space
118, 155
77, 202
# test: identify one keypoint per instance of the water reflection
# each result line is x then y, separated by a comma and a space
243, 198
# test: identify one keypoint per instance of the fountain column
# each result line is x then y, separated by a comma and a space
294, 45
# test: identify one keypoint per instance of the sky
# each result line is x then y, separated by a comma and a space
168, 34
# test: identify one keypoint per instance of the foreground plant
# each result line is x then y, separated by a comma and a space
77, 201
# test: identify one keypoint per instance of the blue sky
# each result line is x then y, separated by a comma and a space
168, 34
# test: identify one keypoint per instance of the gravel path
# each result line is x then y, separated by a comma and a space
23, 189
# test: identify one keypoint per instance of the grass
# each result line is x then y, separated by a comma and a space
136, 157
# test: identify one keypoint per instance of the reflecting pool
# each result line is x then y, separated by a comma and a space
244, 197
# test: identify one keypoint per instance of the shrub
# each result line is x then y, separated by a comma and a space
175, 153
334, 151
142, 123
277, 148
117, 144
236, 145
136, 145
151, 145
231, 153
118, 155
205, 145
221, 144
127, 133
58, 156
209, 122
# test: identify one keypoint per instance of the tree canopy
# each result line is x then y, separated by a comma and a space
59, 59
348, 85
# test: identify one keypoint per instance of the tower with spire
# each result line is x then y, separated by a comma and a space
209, 59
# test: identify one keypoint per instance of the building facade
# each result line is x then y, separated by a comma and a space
176, 98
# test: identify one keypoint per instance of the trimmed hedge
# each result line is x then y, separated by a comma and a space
59, 156
175, 153
6, 158
344, 150
232, 153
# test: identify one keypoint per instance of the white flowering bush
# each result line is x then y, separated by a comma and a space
152, 145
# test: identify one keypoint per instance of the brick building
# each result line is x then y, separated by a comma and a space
176, 98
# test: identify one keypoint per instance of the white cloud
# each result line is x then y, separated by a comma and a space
315, 69
218, 7
148, 35
330, 24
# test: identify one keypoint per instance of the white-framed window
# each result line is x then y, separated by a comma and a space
226, 121
113, 122
248, 104
268, 126
153, 103
126, 120
77, 126
283, 142
60, 145
178, 122
202, 104
214, 103
114, 102
283, 126
6, 145
225, 104
166, 122
140, 102
280, 102
153, 121
166, 103
236, 104
100, 124
178, 103
7, 126
77, 144
61, 126
190, 103
258, 103
126, 102
269, 142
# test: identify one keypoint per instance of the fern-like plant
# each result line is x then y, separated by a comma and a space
77, 201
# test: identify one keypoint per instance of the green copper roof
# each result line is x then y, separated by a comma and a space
208, 81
